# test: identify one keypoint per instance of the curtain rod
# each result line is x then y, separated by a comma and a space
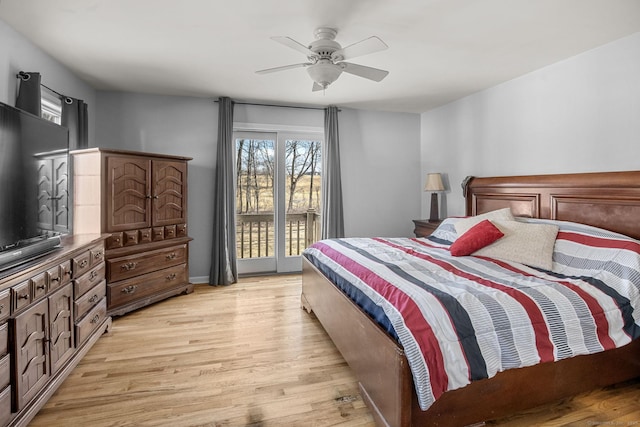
276, 105
24, 76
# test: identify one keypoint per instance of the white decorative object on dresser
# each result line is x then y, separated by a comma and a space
140, 201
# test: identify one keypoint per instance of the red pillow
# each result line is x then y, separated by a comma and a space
477, 237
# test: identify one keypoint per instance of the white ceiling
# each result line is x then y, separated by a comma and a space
439, 50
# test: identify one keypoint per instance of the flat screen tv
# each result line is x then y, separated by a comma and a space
34, 192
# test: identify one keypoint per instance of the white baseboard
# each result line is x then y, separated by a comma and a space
199, 279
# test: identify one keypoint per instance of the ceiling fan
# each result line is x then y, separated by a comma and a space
326, 58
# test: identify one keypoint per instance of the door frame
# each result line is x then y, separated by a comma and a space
280, 262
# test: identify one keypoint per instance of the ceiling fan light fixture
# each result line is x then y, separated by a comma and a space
324, 73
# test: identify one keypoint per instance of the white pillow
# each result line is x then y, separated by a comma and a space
526, 243
465, 224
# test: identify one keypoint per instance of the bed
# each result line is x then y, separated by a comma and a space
610, 201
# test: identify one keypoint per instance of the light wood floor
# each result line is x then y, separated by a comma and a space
247, 355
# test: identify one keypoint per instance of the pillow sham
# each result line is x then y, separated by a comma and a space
498, 215
526, 243
477, 237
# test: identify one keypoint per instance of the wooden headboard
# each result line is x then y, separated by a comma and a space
609, 200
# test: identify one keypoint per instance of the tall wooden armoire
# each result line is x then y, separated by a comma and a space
140, 201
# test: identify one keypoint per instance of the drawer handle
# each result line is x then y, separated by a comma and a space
94, 298
40, 287
54, 279
129, 266
97, 255
93, 275
95, 318
116, 239
83, 263
67, 273
25, 296
129, 289
171, 276
1, 308
171, 256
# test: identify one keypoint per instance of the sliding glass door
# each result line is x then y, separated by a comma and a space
277, 199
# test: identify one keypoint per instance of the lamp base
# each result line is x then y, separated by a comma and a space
434, 216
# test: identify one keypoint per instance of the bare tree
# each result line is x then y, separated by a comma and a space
302, 157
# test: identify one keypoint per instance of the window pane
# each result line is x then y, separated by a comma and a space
302, 193
51, 106
255, 198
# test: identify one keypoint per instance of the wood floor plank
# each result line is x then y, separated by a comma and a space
247, 355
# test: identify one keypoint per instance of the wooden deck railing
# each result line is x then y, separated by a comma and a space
255, 233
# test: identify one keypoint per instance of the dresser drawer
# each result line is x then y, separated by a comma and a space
5, 304
4, 339
90, 322
21, 295
39, 286
96, 255
81, 264
82, 284
115, 241
136, 265
124, 292
89, 299
5, 371
65, 272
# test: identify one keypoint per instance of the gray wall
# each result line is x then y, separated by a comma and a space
378, 150
578, 115
380, 172
182, 126
19, 54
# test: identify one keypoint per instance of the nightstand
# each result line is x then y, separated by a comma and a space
424, 227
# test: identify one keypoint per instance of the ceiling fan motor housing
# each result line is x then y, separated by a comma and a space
324, 44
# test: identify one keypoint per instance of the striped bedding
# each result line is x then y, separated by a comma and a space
462, 319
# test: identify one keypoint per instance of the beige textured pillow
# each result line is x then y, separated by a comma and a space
465, 224
526, 243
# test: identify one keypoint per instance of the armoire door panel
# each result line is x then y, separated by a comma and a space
31, 361
169, 192
128, 204
60, 194
60, 312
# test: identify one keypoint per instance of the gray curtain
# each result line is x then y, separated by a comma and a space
75, 118
29, 97
332, 217
223, 259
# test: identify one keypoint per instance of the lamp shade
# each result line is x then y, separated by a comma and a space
434, 182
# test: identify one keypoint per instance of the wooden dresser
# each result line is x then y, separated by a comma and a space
52, 310
140, 201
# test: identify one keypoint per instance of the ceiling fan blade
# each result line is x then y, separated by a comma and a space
284, 67
363, 47
316, 87
370, 73
288, 41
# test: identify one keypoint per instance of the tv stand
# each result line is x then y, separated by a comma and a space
52, 311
